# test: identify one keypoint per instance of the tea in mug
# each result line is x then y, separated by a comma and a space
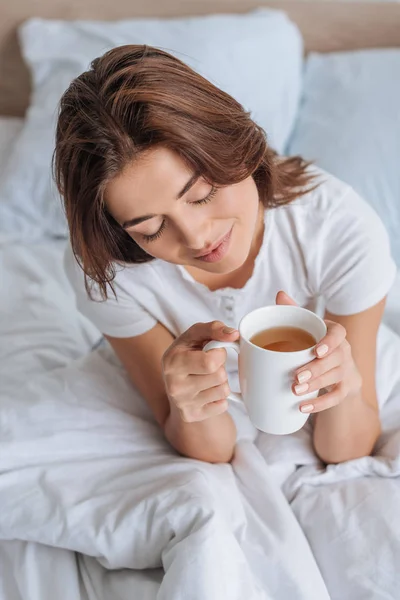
284, 339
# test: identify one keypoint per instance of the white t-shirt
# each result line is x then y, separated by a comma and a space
327, 248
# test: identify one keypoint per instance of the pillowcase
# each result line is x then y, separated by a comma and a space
256, 57
10, 128
349, 123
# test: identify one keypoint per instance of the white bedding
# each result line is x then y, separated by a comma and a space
91, 494
10, 128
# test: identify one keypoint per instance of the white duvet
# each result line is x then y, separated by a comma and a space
96, 506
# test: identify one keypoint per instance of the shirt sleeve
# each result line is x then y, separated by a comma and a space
354, 263
118, 316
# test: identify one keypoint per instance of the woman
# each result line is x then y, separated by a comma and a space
183, 219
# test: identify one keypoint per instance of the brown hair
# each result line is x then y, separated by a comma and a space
135, 97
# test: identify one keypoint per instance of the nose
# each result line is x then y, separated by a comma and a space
193, 233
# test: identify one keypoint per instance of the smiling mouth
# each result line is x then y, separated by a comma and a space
217, 251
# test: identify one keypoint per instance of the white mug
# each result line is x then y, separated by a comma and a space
266, 377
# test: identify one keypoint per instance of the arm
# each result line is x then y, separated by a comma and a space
146, 357
351, 428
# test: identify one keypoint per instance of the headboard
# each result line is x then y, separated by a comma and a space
325, 25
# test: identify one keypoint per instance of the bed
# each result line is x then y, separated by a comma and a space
93, 500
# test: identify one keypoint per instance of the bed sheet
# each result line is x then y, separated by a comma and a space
64, 418
40, 328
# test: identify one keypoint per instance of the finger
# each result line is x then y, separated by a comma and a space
196, 362
193, 385
212, 409
324, 402
219, 392
335, 336
201, 333
318, 367
282, 298
199, 383
332, 377
215, 408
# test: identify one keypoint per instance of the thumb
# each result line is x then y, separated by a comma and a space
282, 299
201, 333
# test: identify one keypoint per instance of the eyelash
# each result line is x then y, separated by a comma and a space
158, 234
154, 236
208, 198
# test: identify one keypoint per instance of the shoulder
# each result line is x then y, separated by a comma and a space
127, 313
326, 193
129, 279
346, 245
329, 204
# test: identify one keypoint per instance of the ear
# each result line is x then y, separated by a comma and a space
282, 298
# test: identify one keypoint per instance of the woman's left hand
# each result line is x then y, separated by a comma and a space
333, 369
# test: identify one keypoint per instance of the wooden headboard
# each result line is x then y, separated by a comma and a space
325, 25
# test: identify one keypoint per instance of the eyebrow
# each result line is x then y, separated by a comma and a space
184, 190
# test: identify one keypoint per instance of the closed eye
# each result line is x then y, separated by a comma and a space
155, 236
208, 198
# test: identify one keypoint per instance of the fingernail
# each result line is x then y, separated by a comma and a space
300, 389
304, 376
229, 330
307, 408
322, 350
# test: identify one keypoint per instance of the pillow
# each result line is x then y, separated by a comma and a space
349, 123
256, 57
10, 128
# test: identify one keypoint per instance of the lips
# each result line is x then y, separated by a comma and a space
217, 251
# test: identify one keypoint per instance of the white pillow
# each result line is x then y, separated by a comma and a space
256, 57
349, 123
10, 128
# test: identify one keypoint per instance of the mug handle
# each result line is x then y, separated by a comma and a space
234, 396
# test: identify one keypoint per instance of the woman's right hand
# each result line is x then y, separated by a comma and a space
196, 382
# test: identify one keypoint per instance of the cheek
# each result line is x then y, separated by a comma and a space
164, 248
230, 203
242, 200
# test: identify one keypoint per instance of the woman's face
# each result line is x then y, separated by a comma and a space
182, 219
